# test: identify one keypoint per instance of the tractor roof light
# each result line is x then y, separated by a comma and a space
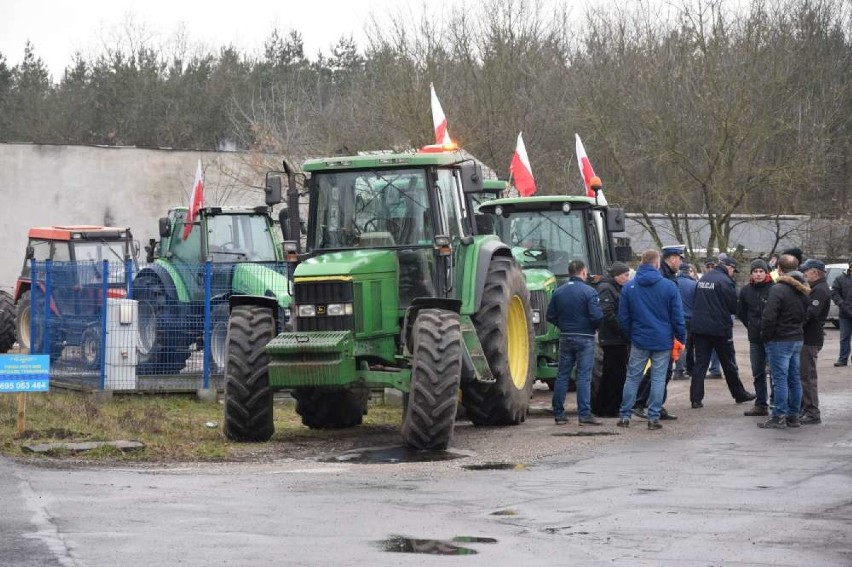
442, 245
566, 207
439, 148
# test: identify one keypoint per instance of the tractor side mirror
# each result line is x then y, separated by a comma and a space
283, 218
165, 227
471, 176
30, 253
273, 188
615, 219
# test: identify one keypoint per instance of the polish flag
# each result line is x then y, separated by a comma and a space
439, 121
521, 171
587, 171
196, 201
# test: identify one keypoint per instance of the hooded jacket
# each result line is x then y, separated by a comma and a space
750, 306
819, 300
786, 307
841, 294
651, 312
715, 302
610, 333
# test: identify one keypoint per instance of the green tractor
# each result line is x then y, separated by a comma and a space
246, 256
545, 234
397, 287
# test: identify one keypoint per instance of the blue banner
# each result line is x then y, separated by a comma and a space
24, 373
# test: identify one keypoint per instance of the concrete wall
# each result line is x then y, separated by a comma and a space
42, 185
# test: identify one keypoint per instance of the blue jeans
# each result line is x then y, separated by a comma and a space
574, 350
660, 360
845, 335
786, 380
715, 367
757, 356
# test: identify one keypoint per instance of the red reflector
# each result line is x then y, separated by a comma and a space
117, 293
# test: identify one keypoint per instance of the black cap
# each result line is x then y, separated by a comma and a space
728, 261
796, 252
812, 264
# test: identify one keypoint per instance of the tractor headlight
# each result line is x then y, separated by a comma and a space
536, 316
286, 314
339, 309
307, 310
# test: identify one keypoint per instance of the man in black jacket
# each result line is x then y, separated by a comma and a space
841, 295
783, 319
750, 311
819, 301
606, 400
713, 330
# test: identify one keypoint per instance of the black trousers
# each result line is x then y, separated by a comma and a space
724, 347
607, 399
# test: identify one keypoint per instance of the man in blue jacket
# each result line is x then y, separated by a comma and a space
651, 314
713, 330
576, 310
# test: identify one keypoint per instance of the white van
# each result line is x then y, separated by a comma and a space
831, 273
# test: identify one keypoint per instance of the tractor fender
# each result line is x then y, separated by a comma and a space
270, 303
163, 276
419, 303
488, 250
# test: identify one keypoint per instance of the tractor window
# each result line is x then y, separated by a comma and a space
187, 251
41, 251
371, 209
240, 238
91, 254
545, 239
61, 252
450, 202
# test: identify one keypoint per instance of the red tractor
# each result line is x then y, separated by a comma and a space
77, 283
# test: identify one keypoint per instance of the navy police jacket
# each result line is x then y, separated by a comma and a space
575, 308
715, 302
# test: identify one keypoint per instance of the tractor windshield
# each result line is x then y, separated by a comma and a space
545, 239
370, 209
240, 238
90, 255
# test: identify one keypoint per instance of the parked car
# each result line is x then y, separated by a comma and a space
831, 273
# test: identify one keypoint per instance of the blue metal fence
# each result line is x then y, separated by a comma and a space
149, 327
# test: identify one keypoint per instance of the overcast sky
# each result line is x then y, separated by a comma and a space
58, 28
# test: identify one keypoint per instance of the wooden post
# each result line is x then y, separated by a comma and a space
22, 411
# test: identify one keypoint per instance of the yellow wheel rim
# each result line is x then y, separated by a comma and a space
519, 343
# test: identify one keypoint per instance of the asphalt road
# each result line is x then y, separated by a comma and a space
709, 489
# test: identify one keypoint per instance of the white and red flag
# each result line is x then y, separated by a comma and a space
439, 121
521, 171
196, 200
586, 170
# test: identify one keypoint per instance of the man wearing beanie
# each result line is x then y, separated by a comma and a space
616, 346
783, 318
750, 306
819, 301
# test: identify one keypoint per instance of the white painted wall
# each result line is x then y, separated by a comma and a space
43, 185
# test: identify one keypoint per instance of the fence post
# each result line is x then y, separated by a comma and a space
103, 321
208, 279
128, 277
45, 346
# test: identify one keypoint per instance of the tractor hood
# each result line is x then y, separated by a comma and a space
540, 279
257, 279
350, 262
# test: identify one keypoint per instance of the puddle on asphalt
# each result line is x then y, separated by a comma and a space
402, 544
392, 455
584, 433
496, 467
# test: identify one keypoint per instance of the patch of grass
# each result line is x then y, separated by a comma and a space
173, 428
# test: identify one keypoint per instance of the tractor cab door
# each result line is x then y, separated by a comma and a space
185, 254
452, 211
599, 249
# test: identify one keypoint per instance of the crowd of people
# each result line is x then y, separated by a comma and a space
668, 323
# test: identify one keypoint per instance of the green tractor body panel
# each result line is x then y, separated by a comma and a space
255, 279
177, 279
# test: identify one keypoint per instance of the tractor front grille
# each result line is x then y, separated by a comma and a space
321, 294
538, 302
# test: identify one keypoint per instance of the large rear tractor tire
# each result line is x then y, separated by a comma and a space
248, 398
331, 408
161, 348
8, 322
504, 326
24, 321
430, 414
27, 334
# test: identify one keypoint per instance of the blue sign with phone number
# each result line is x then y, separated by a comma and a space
24, 373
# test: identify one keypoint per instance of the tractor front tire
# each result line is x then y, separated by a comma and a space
162, 348
248, 398
24, 321
504, 326
8, 322
430, 414
331, 408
